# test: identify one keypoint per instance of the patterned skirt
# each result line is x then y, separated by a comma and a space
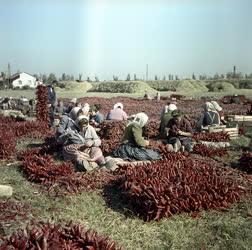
132, 153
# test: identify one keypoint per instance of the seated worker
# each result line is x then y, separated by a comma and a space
249, 111
209, 117
165, 118
95, 116
60, 108
219, 109
133, 146
23, 106
235, 99
32, 104
82, 146
171, 101
67, 122
117, 113
71, 105
86, 109
180, 132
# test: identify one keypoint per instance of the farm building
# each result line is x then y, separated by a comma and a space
23, 79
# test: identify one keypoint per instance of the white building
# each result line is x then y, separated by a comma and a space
23, 79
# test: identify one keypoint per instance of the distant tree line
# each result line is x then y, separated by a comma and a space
5, 77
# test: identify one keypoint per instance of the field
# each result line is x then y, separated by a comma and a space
213, 229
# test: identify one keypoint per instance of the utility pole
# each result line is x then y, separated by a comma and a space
9, 74
147, 72
234, 72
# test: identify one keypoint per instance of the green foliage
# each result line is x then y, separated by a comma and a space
51, 78
120, 87
116, 78
242, 141
220, 86
73, 85
128, 77
245, 84
179, 85
163, 85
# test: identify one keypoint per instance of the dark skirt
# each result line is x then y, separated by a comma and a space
132, 153
185, 141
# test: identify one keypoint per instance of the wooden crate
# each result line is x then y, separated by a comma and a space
240, 118
232, 132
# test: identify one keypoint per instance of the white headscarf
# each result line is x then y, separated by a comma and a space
74, 100
118, 105
208, 106
216, 106
170, 107
81, 117
86, 109
73, 113
141, 119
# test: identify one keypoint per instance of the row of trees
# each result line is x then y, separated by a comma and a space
69, 77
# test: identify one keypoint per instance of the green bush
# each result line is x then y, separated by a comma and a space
163, 85
73, 85
246, 84
121, 87
220, 86
179, 85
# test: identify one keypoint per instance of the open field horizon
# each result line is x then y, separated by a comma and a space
61, 93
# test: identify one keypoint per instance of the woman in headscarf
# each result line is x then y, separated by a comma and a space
117, 113
165, 118
133, 146
95, 116
180, 132
71, 105
60, 108
209, 117
219, 109
68, 121
86, 109
83, 146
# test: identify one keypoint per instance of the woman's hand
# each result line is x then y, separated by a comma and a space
89, 143
184, 133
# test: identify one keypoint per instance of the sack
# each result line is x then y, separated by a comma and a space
70, 137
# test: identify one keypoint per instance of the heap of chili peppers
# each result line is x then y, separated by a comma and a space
55, 236
213, 137
175, 185
209, 151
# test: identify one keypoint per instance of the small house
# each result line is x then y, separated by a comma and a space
23, 79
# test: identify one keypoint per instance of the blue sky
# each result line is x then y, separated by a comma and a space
112, 37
